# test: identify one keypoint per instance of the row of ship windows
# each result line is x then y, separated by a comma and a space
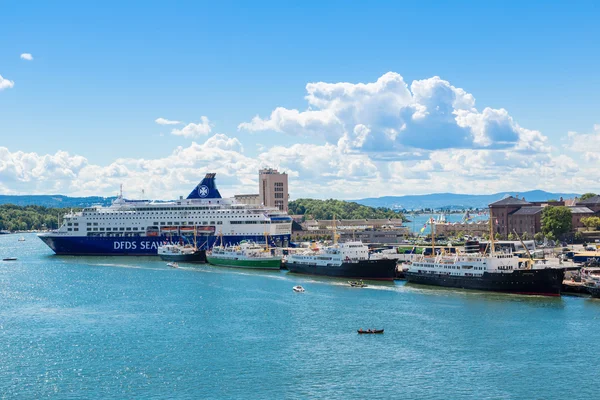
203, 223
451, 267
91, 210
212, 216
164, 212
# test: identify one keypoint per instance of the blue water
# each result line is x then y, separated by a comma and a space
418, 221
118, 328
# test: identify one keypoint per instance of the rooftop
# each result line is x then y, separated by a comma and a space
510, 201
528, 210
591, 201
580, 210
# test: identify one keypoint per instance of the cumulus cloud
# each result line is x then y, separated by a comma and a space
388, 115
5, 83
585, 144
27, 56
162, 178
315, 170
192, 130
163, 121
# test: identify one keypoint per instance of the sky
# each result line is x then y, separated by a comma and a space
351, 99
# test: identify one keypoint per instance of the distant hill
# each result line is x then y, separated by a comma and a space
58, 201
456, 201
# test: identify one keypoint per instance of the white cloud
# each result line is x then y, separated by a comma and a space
194, 130
27, 56
163, 121
5, 83
321, 171
586, 145
386, 116
163, 178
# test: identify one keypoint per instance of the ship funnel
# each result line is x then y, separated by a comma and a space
207, 189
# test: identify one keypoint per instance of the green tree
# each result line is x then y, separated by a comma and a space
327, 209
586, 196
511, 236
538, 237
556, 221
578, 236
524, 236
591, 222
497, 236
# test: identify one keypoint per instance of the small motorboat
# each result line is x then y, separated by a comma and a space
173, 265
298, 289
371, 331
357, 283
10, 259
21, 239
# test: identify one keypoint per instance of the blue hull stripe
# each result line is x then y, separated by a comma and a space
141, 246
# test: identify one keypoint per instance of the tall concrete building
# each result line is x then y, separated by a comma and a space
273, 188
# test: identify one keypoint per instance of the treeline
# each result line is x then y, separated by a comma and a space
19, 218
326, 209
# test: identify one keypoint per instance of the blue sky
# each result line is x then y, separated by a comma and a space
80, 116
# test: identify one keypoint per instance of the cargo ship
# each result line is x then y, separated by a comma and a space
139, 227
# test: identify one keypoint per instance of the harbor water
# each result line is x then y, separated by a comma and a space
124, 327
419, 223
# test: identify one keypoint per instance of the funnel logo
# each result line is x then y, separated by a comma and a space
203, 191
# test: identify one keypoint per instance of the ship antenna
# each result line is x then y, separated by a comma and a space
121, 190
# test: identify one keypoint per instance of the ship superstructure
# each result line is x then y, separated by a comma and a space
139, 227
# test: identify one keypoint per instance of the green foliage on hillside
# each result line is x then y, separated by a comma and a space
18, 218
326, 209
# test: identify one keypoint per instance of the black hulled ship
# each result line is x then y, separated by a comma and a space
343, 260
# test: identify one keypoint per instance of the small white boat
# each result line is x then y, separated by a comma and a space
21, 239
298, 289
173, 265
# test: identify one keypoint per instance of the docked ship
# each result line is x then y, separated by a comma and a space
247, 254
473, 269
181, 253
342, 260
139, 227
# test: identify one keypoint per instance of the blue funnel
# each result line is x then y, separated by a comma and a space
207, 189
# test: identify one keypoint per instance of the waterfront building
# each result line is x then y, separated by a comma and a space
366, 230
513, 214
477, 228
273, 188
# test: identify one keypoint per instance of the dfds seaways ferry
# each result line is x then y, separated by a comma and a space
139, 227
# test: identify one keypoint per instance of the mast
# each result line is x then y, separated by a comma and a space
195, 245
334, 231
432, 222
526, 249
492, 245
266, 241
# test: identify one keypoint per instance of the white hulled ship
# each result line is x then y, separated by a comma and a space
473, 269
139, 227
